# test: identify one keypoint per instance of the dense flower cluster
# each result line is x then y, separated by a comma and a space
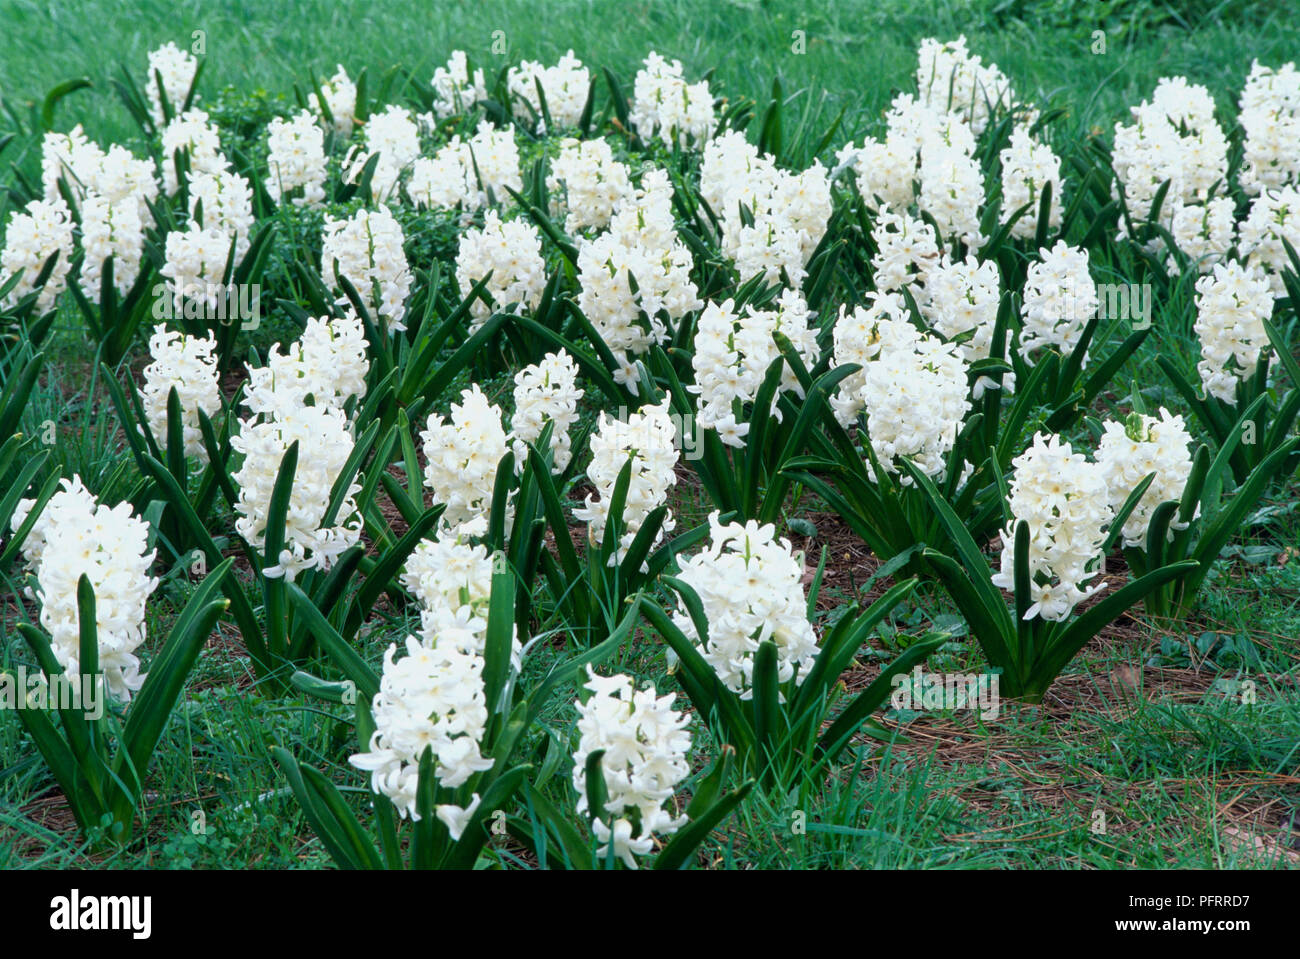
1232, 304
75, 536
927, 158
296, 160
71, 158
733, 350
468, 173
1174, 137
196, 267
649, 439
641, 244
452, 580
42, 230
906, 251
1059, 299
951, 184
1270, 115
912, 386
666, 106
224, 202
1132, 450
461, 459
789, 212
110, 230
455, 90
367, 250
177, 68
431, 698
565, 86
962, 307
194, 133
645, 743
327, 366
1028, 168
511, 251
394, 138
953, 80
749, 584
1066, 502
887, 170
1205, 232
592, 183
122, 177
187, 364
340, 95
857, 339
448, 573
325, 442
546, 392
1274, 216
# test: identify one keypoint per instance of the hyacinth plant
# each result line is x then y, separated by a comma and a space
451, 809
743, 435
125, 289
231, 304
1035, 638
101, 748
411, 370
749, 660
628, 524
589, 587
221, 302
621, 795
346, 589
297, 517
100, 763
169, 91
860, 474
290, 472
157, 441
1190, 518
553, 320
557, 321
1255, 420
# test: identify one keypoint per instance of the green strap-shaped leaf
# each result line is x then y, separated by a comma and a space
766, 699
870, 699
994, 630
676, 852
465, 852
967, 549
1120, 518
842, 645
55, 95
1063, 644
500, 638
322, 822
699, 680
577, 853
169, 670
13, 397
329, 798
334, 645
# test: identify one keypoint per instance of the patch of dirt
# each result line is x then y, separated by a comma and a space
849, 563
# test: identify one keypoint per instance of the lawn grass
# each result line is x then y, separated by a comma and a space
855, 56
1147, 728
